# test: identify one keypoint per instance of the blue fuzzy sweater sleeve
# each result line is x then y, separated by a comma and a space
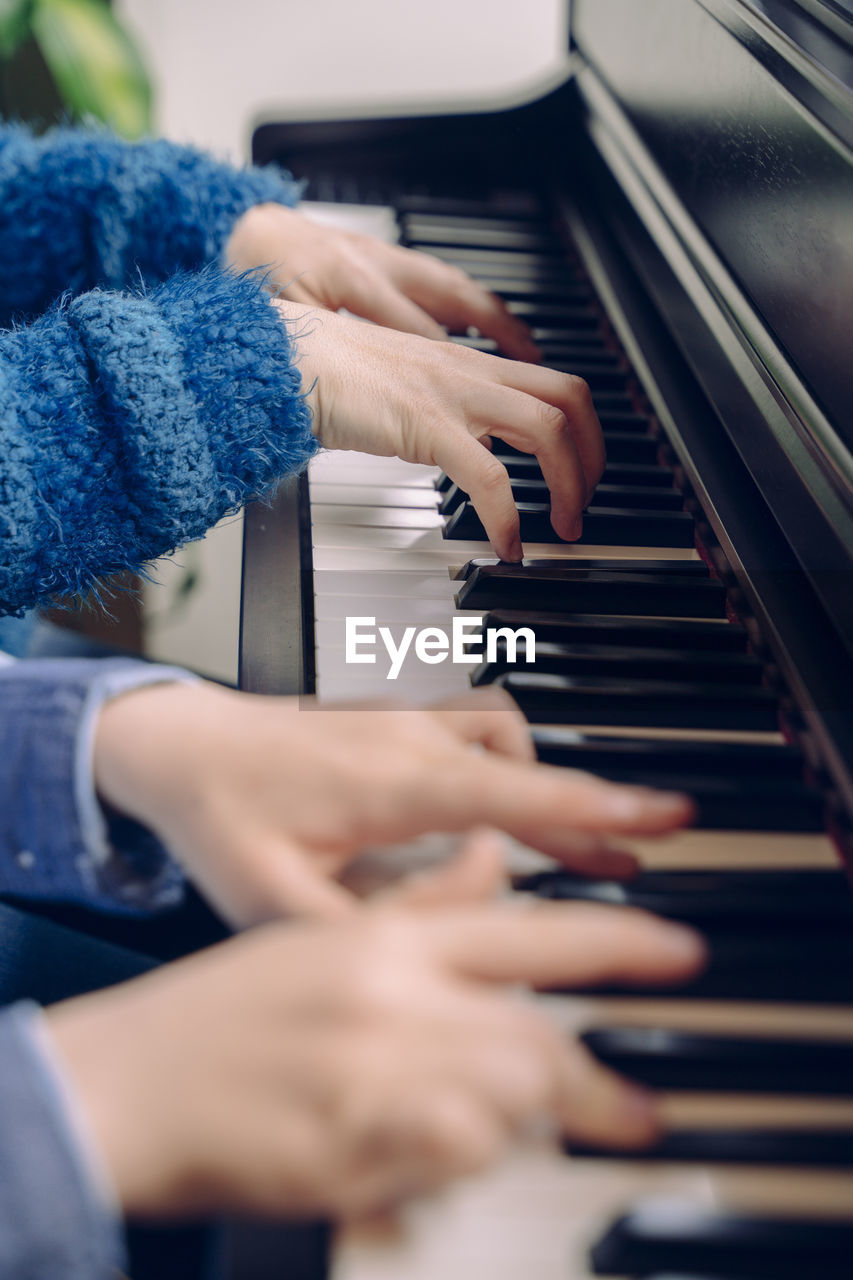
131, 422
80, 208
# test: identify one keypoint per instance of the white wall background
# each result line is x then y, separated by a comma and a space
220, 63
219, 66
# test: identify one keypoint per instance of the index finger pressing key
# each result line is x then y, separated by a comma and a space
573, 398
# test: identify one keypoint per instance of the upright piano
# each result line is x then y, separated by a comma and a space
675, 221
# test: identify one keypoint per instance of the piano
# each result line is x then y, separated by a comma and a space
675, 221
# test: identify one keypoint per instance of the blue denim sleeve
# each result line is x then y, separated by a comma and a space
58, 1220
56, 842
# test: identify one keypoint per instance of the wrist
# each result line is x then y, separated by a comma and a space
111, 1082
144, 741
254, 239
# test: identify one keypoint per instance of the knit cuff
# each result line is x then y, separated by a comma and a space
239, 190
200, 382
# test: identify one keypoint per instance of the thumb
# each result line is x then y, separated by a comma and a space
476, 873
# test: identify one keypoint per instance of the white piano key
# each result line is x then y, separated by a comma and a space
330, 632
733, 850
366, 538
576, 1014
346, 580
332, 611
370, 495
377, 220
336, 684
453, 555
537, 1214
344, 463
704, 851
368, 517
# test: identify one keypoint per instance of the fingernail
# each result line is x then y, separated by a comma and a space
577, 529
626, 805
636, 805
684, 944
516, 551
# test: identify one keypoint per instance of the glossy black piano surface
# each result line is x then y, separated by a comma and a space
676, 221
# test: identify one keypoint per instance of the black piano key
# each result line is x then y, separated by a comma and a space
520, 206
545, 333
558, 315
541, 288
621, 446
635, 497
637, 474
588, 349
507, 270
602, 526
609, 564
455, 497
601, 357
812, 1147
566, 628
607, 401
627, 446
777, 900
670, 1236
667, 1058
627, 663
486, 219
725, 799
632, 497
525, 467
571, 590
797, 966
664, 704
725, 803
600, 380
774, 762
617, 420
511, 262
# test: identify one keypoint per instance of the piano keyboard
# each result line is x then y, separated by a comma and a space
642, 674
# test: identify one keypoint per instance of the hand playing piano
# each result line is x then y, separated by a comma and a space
392, 394
399, 288
266, 801
339, 1069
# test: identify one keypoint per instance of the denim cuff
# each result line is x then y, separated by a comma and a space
56, 841
58, 1215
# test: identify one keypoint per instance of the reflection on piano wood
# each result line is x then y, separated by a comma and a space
699, 636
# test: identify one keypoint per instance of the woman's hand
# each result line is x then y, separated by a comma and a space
265, 801
398, 288
310, 1069
392, 394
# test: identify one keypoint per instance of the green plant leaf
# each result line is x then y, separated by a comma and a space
96, 66
14, 25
